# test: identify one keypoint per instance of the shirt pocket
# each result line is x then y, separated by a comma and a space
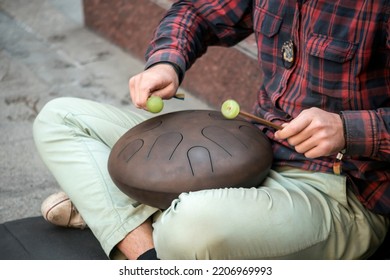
267, 27
330, 68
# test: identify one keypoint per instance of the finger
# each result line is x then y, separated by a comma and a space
165, 92
315, 152
141, 90
134, 87
315, 146
300, 137
132, 90
305, 146
293, 128
144, 89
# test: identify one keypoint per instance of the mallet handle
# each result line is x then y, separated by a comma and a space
260, 120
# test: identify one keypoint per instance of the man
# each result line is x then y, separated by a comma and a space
326, 80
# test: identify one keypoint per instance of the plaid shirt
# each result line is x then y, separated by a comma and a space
342, 65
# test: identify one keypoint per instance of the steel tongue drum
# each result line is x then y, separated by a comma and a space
186, 151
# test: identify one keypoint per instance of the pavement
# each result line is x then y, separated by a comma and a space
47, 52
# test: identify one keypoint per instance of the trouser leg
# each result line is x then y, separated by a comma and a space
74, 138
294, 215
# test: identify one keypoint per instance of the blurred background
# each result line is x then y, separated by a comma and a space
89, 49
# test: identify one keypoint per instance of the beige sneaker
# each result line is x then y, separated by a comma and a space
59, 210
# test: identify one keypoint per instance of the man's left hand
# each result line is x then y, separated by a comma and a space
314, 133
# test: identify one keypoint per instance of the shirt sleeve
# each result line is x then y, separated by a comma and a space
189, 27
367, 133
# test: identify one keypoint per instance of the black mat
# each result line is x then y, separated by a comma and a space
35, 239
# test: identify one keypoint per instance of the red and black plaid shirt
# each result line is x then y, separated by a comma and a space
342, 65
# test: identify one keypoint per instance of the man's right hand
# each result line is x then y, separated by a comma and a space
161, 80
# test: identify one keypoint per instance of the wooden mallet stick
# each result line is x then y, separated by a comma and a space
260, 120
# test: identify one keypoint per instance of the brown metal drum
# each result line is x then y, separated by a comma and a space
157, 160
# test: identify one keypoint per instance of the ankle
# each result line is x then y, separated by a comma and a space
138, 241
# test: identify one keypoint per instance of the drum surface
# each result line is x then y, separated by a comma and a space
187, 151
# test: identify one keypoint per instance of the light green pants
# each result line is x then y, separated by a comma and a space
295, 214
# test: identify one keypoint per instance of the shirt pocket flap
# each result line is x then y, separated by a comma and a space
330, 48
266, 23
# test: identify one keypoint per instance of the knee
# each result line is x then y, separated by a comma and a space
188, 230
52, 112
49, 118
54, 108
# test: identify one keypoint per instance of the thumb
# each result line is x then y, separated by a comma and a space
278, 134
